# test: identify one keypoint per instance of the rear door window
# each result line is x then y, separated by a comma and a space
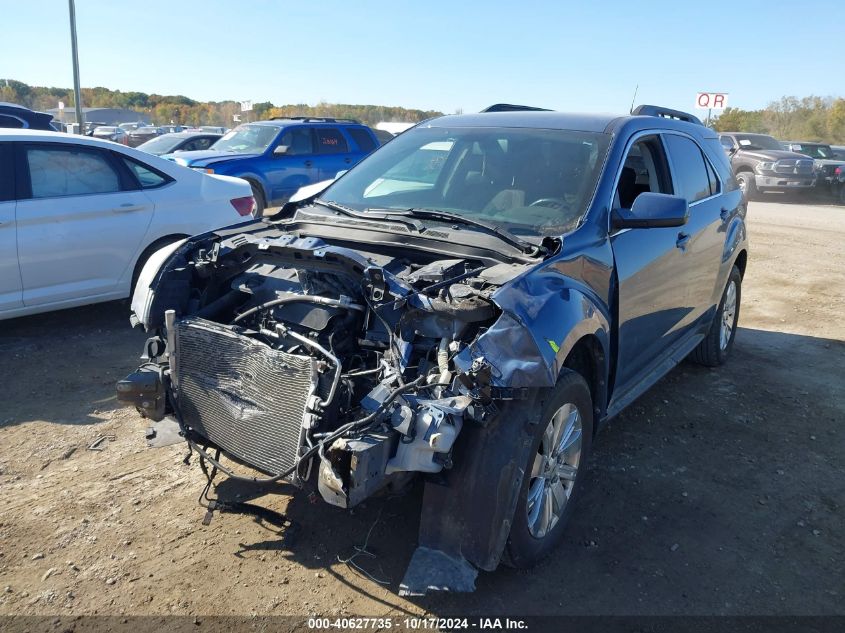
330, 141
70, 170
689, 171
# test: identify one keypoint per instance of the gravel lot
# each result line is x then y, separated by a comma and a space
718, 492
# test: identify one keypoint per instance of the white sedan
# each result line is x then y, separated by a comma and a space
80, 216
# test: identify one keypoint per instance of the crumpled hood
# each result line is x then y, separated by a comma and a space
205, 157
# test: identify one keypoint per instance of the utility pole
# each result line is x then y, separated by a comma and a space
77, 93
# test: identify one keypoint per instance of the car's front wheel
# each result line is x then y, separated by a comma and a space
716, 346
747, 184
554, 473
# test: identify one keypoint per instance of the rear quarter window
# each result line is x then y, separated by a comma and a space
363, 139
7, 172
720, 161
8, 121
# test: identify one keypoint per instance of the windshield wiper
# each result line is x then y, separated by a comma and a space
339, 208
529, 248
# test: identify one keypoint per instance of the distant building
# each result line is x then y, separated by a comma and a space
394, 127
103, 116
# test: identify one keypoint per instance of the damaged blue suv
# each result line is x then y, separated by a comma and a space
469, 305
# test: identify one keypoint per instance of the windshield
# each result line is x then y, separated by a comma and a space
529, 181
161, 144
813, 151
757, 141
247, 139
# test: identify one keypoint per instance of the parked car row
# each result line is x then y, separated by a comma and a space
763, 164
79, 216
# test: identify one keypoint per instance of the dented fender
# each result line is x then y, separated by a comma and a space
544, 314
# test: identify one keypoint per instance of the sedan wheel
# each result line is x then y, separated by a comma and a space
554, 471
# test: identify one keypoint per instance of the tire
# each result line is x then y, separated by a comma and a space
747, 185
528, 542
144, 256
260, 202
716, 346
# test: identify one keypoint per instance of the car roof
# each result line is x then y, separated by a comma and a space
16, 134
290, 122
16, 106
583, 122
754, 134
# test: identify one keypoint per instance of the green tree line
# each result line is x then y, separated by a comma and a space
181, 110
790, 119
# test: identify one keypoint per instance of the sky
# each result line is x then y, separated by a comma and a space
435, 55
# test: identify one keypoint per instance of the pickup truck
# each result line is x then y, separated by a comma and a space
761, 165
469, 305
279, 156
825, 158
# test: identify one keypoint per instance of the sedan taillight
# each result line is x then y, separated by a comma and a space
243, 206
837, 171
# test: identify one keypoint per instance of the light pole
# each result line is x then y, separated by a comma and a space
77, 93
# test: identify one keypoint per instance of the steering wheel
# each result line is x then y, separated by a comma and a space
552, 203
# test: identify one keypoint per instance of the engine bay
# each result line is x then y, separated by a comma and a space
315, 363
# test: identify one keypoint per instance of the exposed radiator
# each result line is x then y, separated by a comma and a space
244, 396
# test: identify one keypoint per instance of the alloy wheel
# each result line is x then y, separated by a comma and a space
554, 470
728, 316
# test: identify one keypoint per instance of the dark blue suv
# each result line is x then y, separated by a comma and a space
279, 156
468, 305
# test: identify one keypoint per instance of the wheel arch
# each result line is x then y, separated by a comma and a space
151, 248
741, 262
587, 357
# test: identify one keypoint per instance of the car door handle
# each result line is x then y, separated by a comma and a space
308, 163
347, 160
683, 240
127, 207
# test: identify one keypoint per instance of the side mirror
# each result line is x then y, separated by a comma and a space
281, 150
652, 210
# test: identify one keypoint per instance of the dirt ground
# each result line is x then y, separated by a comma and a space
718, 492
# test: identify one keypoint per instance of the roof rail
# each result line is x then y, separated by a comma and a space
508, 107
666, 113
313, 119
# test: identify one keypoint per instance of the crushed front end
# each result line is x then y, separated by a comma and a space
317, 364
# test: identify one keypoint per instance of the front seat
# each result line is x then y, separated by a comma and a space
627, 189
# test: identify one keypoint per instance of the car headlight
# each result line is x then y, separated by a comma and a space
205, 170
765, 166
